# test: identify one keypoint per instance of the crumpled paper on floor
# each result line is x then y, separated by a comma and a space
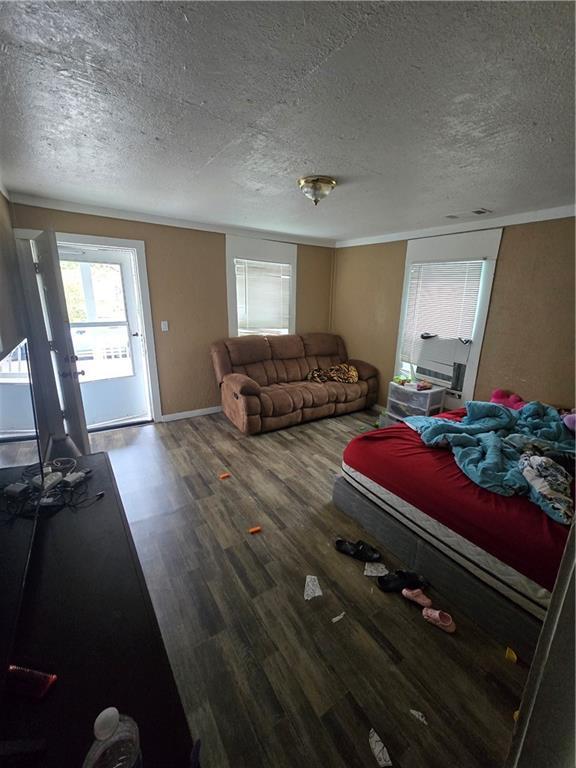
312, 588
419, 716
379, 750
375, 569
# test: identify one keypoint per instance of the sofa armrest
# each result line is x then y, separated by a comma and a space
365, 370
240, 384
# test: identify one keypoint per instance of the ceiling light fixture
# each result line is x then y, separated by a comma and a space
316, 187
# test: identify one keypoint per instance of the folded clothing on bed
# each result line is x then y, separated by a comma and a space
511, 528
490, 440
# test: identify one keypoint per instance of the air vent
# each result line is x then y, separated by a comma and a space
465, 214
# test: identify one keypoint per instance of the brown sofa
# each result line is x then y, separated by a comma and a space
264, 386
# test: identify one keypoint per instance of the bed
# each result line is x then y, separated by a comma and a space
494, 557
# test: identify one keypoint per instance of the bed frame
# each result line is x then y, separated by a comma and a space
504, 620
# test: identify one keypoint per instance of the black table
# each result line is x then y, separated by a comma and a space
86, 615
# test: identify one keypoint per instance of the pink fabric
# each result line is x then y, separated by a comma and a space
508, 399
417, 596
440, 619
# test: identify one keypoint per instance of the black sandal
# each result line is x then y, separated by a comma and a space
396, 581
359, 550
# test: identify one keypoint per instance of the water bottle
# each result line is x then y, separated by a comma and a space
117, 743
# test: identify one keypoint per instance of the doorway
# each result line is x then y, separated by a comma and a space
106, 325
104, 307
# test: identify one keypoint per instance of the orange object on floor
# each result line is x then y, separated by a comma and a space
510, 655
256, 529
225, 476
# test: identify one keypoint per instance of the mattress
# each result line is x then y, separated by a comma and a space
507, 542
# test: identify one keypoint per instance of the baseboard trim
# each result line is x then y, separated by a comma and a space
190, 414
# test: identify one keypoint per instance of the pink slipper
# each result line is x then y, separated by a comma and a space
440, 619
417, 596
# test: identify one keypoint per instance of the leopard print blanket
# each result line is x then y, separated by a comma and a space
344, 373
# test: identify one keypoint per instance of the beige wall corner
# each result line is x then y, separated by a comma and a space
366, 302
187, 279
529, 339
12, 323
314, 288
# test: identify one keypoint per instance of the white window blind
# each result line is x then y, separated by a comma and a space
442, 300
263, 296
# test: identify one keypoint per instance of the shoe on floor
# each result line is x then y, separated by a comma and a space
359, 550
440, 619
417, 596
414, 580
396, 581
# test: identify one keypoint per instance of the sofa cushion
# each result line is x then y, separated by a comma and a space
248, 349
319, 412
280, 399
324, 345
345, 393
323, 350
313, 394
286, 347
291, 370
256, 371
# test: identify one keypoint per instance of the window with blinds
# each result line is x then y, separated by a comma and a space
442, 300
263, 296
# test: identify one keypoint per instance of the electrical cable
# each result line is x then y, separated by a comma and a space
47, 502
66, 465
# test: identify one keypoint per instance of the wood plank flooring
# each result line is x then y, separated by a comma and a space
266, 678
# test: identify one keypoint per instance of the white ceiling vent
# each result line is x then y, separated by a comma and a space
476, 212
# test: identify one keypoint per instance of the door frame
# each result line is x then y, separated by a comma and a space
143, 297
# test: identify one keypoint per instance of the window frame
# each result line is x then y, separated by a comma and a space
481, 245
251, 249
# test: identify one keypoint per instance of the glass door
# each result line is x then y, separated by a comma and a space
106, 328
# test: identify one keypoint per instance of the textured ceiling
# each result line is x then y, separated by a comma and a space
211, 111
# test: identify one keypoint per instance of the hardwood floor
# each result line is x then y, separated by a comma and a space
267, 679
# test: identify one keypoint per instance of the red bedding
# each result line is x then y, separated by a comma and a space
511, 528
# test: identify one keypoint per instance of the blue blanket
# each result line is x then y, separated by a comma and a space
488, 442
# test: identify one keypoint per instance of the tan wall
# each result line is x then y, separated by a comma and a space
366, 301
12, 328
314, 288
357, 292
529, 339
187, 279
